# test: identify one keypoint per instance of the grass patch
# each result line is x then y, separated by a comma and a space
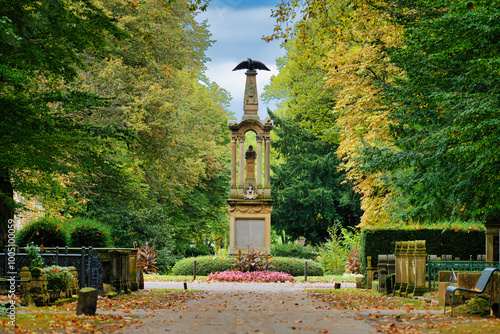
360, 299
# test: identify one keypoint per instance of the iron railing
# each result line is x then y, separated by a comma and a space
85, 260
434, 267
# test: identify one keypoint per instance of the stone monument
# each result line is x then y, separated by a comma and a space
250, 202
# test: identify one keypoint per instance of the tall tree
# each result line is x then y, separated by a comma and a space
347, 40
310, 192
445, 110
41, 123
159, 92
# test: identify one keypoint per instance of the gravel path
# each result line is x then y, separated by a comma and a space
250, 308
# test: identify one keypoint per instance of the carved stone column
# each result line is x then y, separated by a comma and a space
242, 164
404, 268
233, 191
411, 268
420, 269
259, 162
267, 167
397, 280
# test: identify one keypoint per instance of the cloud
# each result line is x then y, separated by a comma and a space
238, 33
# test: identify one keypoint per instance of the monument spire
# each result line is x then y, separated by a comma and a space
251, 100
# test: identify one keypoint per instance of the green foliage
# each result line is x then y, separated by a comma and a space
207, 265
44, 231
88, 232
295, 266
342, 245
458, 243
166, 261
33, 253
146, 259
36, 271
293, 249
446, 111
309, 191
44, 130
252, 261
58, 278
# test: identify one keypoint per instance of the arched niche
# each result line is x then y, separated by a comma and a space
238, 151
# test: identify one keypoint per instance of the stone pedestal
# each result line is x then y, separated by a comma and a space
87, 301
397, 280
119, 270
411, 269
420, 256
250, 225
404, 268
370, 271
38, 289
492, 225
134, 286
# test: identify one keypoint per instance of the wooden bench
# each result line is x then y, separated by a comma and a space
479, 288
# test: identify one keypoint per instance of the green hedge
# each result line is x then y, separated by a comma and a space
457, 243
293, 249
206, 265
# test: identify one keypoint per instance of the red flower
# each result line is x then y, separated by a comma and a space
43, 248
54, 270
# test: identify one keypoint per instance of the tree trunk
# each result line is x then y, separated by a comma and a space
6, 210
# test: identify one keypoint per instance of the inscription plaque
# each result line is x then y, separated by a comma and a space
250, 233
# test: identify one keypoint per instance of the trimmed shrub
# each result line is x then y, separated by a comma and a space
88, 232
206, 265
43, 231
295, 267
458, 243
293, 249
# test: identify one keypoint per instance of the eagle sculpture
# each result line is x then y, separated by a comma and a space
251, 65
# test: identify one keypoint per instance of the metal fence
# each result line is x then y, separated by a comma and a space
85, 260
434, 267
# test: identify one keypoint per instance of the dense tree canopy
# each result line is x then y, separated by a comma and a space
108, 114
445, 110
310, 193
415, 86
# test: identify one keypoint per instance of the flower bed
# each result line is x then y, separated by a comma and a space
255, 276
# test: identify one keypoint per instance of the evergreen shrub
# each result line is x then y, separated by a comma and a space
44, 231
88, 232
206, 265
458, 243
292, 249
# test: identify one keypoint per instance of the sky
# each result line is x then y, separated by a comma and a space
237, 26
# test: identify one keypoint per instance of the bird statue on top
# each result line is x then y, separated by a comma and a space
251, 65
